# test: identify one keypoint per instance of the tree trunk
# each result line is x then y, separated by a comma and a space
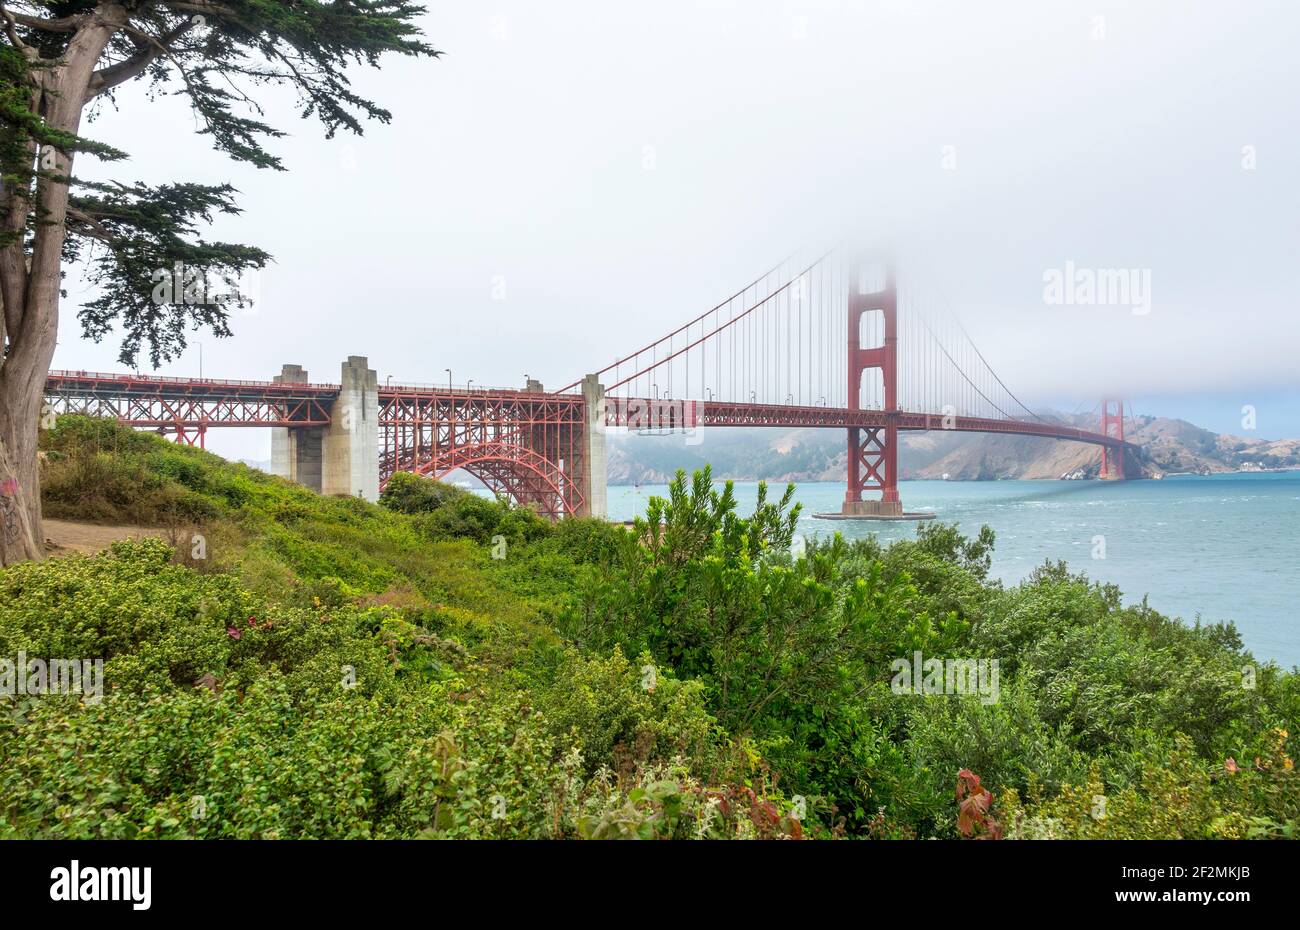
21, 535
31, 299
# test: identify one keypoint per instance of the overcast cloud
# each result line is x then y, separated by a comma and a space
621, 167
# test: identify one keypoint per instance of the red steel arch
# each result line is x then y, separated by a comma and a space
528, 445
522, 474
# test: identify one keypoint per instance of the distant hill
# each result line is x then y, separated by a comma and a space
1168, 446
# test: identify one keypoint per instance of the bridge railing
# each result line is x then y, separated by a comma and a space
432, 387
119, 378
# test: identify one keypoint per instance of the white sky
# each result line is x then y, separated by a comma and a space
523, 153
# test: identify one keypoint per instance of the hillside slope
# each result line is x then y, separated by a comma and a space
282, 664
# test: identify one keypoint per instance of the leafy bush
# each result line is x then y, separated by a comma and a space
447, 665
408, 493
1007, 742
624, 715
1178, 796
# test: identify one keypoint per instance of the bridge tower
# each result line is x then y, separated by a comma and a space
1112, 424
873, 451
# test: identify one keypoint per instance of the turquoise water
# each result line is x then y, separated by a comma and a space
1223, 547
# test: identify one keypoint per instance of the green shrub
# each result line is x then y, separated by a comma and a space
1007, 742
467, 517
102, 472
449, 665
626, 715
411, 494
1177, 795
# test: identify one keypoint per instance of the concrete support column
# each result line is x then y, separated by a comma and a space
351, 446
296, 451
595, 473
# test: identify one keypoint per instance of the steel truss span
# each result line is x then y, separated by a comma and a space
185, 407
528, 445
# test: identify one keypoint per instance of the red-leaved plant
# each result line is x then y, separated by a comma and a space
973, 803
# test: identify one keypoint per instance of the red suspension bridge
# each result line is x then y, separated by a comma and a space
832, 343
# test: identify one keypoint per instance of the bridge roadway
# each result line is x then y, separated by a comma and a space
691, 414
193, 404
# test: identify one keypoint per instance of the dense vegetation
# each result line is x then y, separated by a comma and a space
281, 664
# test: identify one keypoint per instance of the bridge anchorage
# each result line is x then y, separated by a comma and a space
821, 345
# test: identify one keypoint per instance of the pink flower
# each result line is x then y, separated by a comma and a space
252, 621
1231, 765
234, 633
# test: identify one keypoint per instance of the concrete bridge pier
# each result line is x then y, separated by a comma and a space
342, 458
595, 471
296, 451
351, 448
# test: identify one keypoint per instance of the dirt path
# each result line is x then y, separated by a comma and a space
64, 536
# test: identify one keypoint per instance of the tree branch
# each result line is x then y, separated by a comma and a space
11, 31
105, 79
214, 9
96, 229
65, 24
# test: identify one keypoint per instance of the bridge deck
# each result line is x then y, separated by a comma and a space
677, 415
158, 400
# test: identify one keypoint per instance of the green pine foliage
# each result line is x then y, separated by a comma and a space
220, 59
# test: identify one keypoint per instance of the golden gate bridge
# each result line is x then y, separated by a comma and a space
835, 342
